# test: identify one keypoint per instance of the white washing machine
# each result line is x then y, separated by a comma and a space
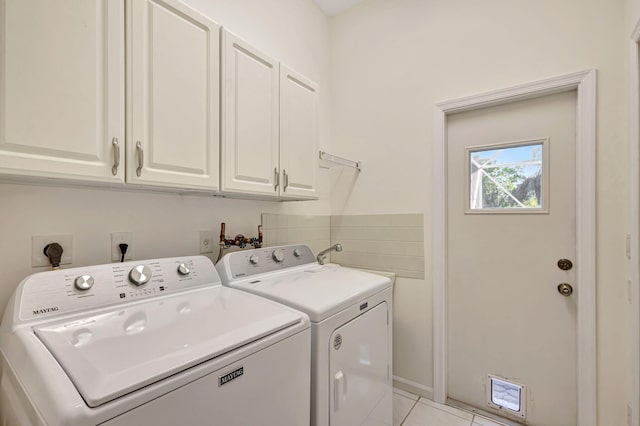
350, 313
156, 342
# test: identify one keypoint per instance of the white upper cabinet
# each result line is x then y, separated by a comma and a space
250, 123
64, 67
269, 125
173, 68
298, 134
62, 89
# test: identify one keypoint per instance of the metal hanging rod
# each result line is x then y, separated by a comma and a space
329, 160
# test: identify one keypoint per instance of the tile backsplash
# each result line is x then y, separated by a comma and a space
386, 242
282, 229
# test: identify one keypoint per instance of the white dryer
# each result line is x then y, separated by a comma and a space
350, 311
157, 342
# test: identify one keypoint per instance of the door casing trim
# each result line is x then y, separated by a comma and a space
634, 226
584, 83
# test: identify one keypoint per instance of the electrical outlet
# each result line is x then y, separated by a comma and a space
118, 238
38, 243
206, 242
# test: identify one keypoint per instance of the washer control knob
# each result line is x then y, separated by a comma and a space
254, 259
278, 255
84, 282
297, 252
140, 274
183, 269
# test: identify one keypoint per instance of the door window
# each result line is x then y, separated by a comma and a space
508, 178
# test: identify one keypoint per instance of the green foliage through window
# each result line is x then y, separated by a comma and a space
506, 178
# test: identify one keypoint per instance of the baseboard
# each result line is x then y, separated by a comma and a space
483, 413
413, 387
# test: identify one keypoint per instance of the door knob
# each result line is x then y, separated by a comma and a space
565, 289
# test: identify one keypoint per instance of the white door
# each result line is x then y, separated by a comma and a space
298, 134
173, 65
250, 132
62, 89
511, 219
359, 370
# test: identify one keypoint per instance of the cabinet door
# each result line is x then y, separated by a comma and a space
173, 69
298, 134
249, 119
62, 89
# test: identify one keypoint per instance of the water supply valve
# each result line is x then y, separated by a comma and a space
239, 240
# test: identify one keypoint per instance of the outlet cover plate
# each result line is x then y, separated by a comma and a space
206, 242
38, 243
118, 238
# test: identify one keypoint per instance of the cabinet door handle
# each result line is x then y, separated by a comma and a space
116, 156
140, 158
276, 178
286, 180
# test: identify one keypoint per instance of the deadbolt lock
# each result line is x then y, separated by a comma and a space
565, 264
565, 289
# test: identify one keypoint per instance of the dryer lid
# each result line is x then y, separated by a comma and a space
318, 291
110, 354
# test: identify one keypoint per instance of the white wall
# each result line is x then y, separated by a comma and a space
632, 14
294, 31
392, 60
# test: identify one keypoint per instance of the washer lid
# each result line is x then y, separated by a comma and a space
110, 354
319, 291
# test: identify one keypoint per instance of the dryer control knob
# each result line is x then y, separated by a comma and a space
183, 269
254, 259
297, 252
83, 282
140, 274
278, 255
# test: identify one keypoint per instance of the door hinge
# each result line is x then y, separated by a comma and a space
628, 246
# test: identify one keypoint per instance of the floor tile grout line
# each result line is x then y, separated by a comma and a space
415, 403
409, 412
437, 407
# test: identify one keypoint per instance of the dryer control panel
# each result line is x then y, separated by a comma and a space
52, 293
246, 263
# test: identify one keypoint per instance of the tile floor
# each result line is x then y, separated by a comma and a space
412, 410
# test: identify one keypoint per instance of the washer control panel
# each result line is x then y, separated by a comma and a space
67, 290
258, 261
